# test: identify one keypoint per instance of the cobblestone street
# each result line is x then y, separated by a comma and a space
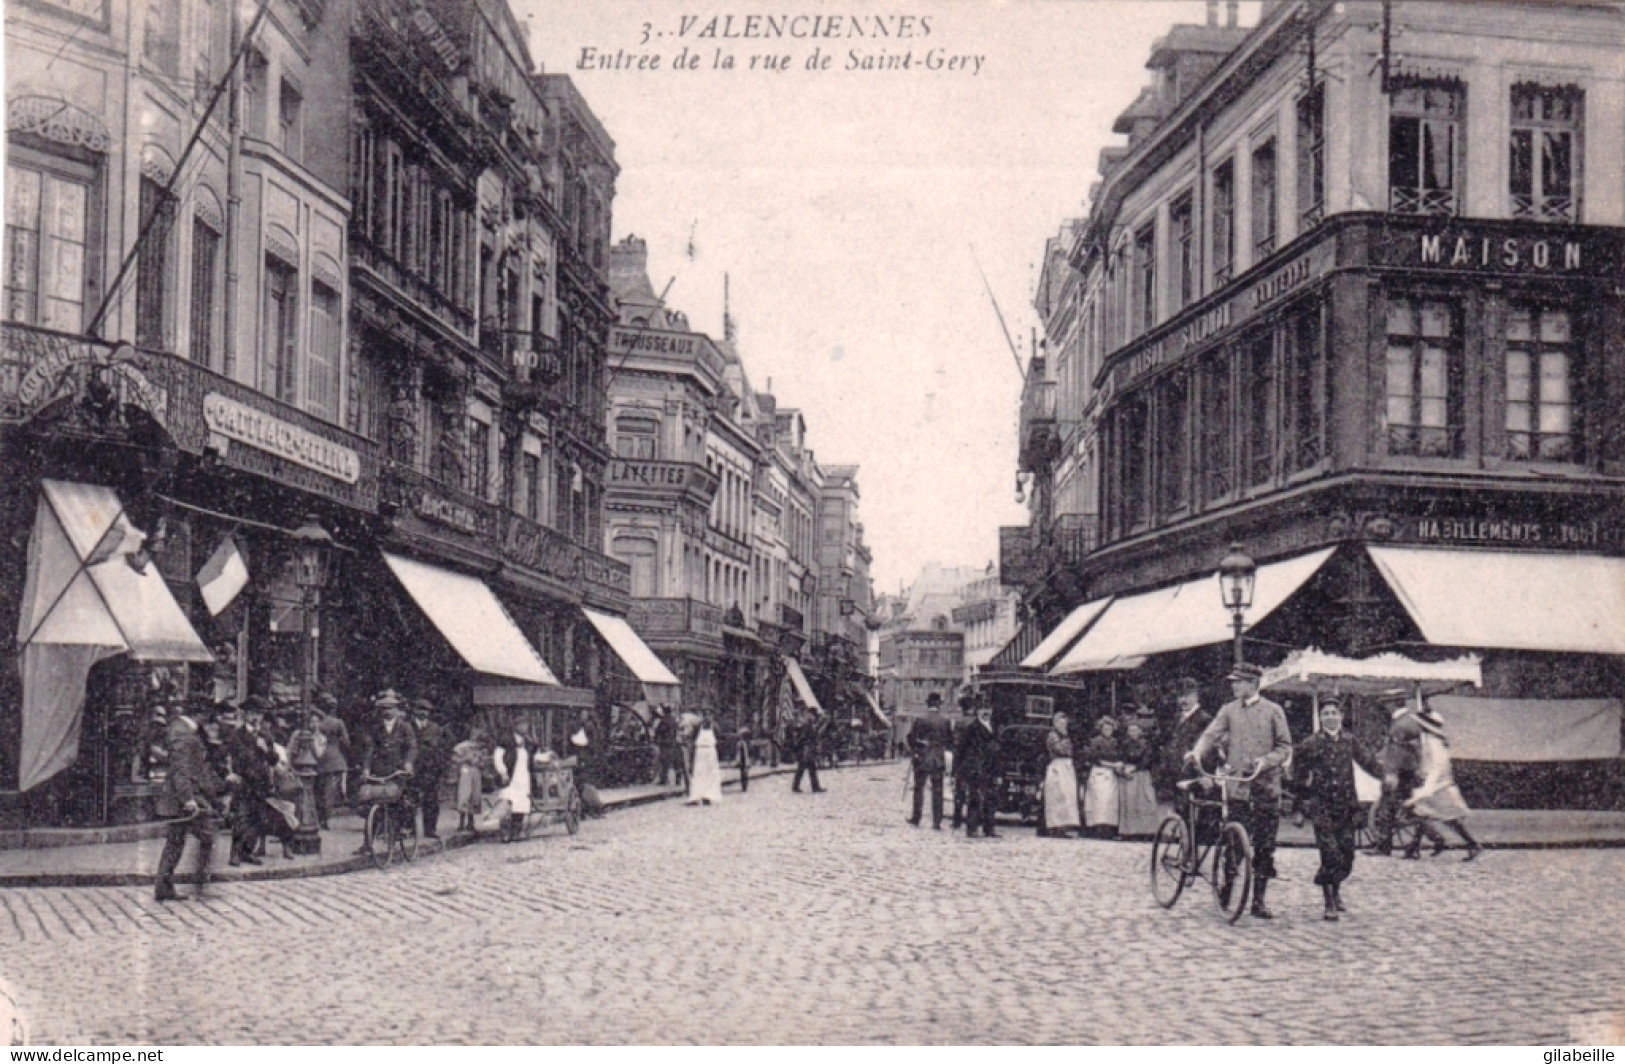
779, 917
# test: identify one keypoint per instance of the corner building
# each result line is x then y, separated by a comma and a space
1350, 297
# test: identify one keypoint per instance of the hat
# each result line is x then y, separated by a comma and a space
1394, 696
1245, 670
422, 705
933, 699
1188, 686
388, 698
326, 700
1332, 700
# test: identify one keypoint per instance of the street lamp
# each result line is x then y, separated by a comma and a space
1237, 575
312, 560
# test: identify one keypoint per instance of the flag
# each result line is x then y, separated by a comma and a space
222, 576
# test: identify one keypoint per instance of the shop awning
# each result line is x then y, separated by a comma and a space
798, 680
84, 591
1045, 653
1510, 600
630, 649
1187, 615
874, 707
472, 620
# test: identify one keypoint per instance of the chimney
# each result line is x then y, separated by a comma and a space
1230, 9
1212, 12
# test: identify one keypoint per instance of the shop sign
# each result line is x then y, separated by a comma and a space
541, 548
1507, 253
606, 573
43, 366
649, 474
266, 432
453, 514
1513, 532
643, 341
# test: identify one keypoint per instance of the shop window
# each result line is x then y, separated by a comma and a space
1145, 276
280, 332
1545, 152
205, 279
1424, 137
322, 368
1422, 411
1173, 436
478, 469
1264, 200
47, 233
1540, 372
1224, 222
152, 266
1312, 156
1217, 448
1303, 393
1183, 238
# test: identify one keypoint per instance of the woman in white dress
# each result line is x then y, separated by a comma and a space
1438, 797
705, 783
512, 764
1060, 814
1102, 793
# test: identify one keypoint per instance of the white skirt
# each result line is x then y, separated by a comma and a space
706, 782
1100, 797
1060, 795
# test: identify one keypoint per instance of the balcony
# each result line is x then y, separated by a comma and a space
1075, 536
390, 277
1040, 441
675, 618
791, 618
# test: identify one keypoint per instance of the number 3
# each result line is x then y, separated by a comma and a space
646, 28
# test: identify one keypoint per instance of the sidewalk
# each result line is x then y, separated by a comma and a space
132, 861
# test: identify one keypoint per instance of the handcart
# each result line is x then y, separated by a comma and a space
554, 797
1315, 673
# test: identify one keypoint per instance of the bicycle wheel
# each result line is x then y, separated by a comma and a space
1406, 830
1233, 871
379, 836
1170, 851
407, 834
572, 812
1365, 835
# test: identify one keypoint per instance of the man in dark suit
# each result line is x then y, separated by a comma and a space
430, 767
1189, 723
252, 756
187, 800
392, 746
928, 742
976, 768
807, 740
1324, 787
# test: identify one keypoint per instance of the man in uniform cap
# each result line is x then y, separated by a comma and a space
1324, 768
928, 741
1258, 742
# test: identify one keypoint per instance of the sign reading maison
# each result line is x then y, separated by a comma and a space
1506, 253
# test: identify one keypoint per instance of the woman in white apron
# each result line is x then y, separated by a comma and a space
705, 783
512, 763
1101, 795
1438, 797
1060, 782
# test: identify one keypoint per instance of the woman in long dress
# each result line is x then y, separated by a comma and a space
1060, 782
1101, 799
1138, 813
468, 756
1438, 797
512, 763
705, 783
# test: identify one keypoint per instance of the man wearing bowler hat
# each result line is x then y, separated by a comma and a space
1258, 742
928, 741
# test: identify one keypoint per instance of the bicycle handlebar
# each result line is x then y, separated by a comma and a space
397, 774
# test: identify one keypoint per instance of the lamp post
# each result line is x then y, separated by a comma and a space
1237, 575
313, 556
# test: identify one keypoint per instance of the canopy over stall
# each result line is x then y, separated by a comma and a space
660, 684
1316, 672
473, 621
89, 593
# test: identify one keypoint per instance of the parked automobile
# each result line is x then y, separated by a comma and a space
1022, 762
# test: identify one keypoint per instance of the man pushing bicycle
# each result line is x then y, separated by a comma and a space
1258, 741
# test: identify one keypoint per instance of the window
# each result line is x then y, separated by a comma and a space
1544, 170
47, 218
256, 75
530, 475
1214, 444
1304, 390
205, 260
1259, 390
152, 266
1312, 156
1182, 237
1173, 433
322, 368
637, 437
162, 44
1145, 275
280, 332
1132, 437
289, 107
1224, 222
1540, 371
479, 458
373, 396
1422, 412
1423, 133
1264, 200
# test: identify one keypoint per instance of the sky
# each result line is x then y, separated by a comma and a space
854, 212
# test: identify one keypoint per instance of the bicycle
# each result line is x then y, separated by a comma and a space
1179, 852
390, 818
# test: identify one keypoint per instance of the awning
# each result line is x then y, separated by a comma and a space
1188, 615
1311, 670
472, 620
1045, 653
874, 707
1510, 600
104, 601
630, 649
798, 680
1530, 729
